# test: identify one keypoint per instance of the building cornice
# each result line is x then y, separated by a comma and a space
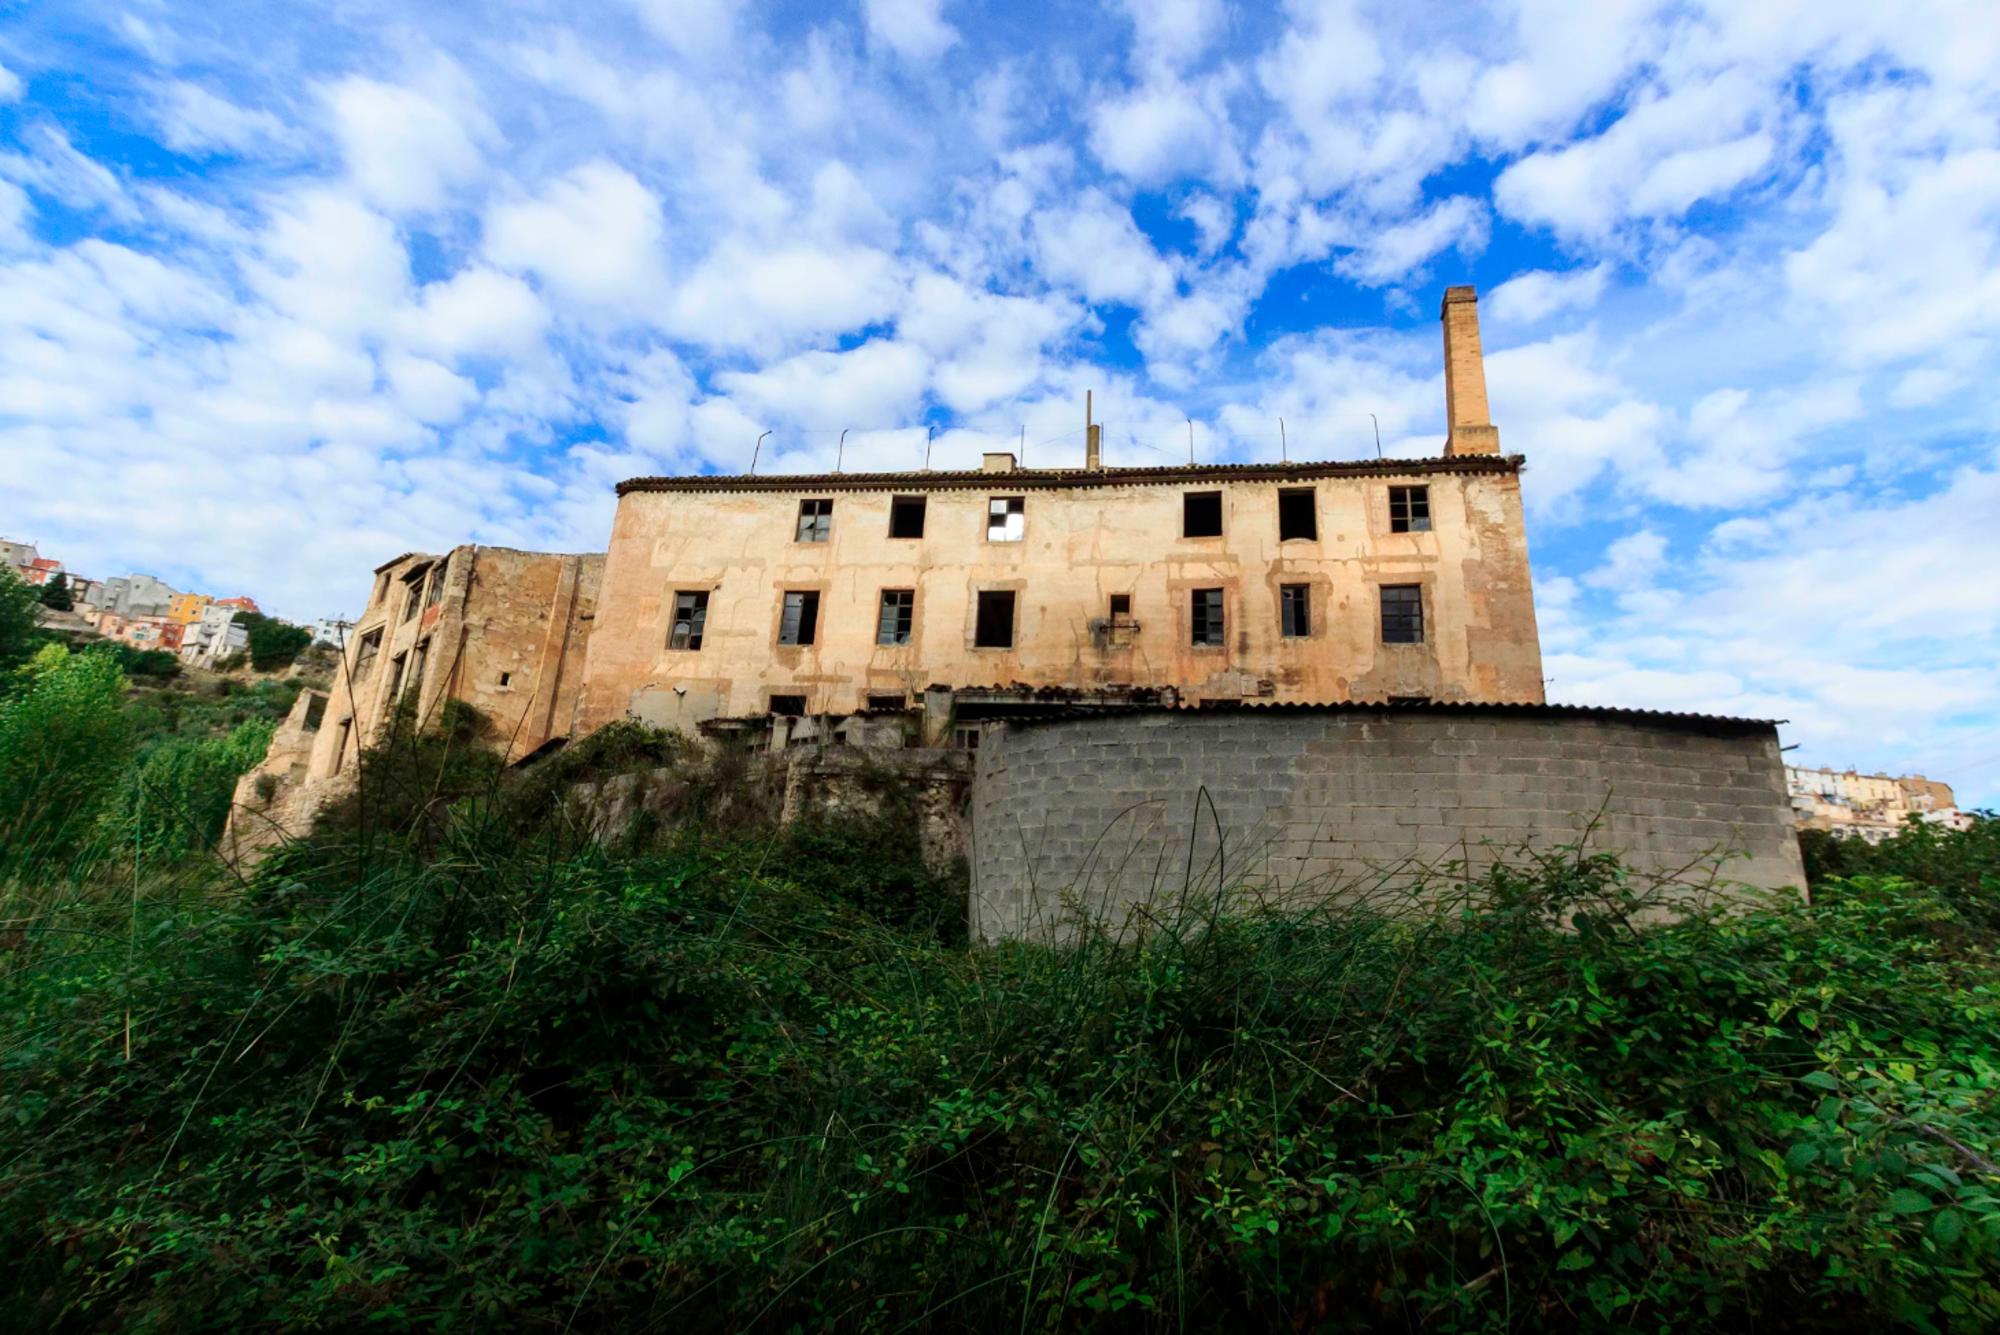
1063, 479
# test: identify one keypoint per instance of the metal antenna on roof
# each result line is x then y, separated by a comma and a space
840, 450
1378, 434
1024, 445
1190, 423
755, 452
1284, 446
930, 434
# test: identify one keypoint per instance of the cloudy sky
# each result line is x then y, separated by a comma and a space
288, 289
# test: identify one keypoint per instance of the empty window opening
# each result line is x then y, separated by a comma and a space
381, 589
315, 711
800, 622
1121, 609
1298, 516
906, 517
1402, 614
690, 619
1409, 509
395, 677
1207, 628
1201, 514
414, 603
506, 678
434, 590
965, 739
340, 743
1006, 518
995, 626
364, 656
791, 706
417, 658
899, 611
888, 702
1295, 611
815, 520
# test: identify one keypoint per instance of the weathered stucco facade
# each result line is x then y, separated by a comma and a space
731, 596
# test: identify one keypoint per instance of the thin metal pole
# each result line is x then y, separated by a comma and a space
840, 450
930, 434
1378, 434
1284, 446
1024, 445
755, 452
1190, 423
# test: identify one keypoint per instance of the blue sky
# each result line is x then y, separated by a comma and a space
286, 290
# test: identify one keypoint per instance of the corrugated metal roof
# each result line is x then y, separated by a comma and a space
1046, 707
1034, 479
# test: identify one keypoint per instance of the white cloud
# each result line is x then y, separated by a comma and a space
1534, 296
1164, 130
1397, 253
768, 298
15, 211
194, 120
477, 311
913, 29
876, 384
594, 236
11, 86
1096, 248
406, 150
1173, 32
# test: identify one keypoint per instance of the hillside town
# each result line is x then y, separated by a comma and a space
144, 612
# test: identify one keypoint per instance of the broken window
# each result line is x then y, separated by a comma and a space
815, 520
888, 701
1409, 509
417, 658
899, 610
1402, 614
690, 617
995, 626
1294, 610
791, 706
434, 593
1207, 620
364, 656
965, 739
800, 622
396, 673
1297, 517
340, 743
1006, 518
906, 517
414, 603
1201, 514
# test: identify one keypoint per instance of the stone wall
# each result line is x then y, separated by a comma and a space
1103, 816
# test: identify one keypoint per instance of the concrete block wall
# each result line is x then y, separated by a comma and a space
1110, 815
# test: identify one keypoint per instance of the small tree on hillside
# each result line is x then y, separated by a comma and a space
18, 637
55, 594
273, 644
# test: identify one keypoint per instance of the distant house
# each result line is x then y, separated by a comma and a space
240, 604
41, 570
137, 596
1870, 807
214, 637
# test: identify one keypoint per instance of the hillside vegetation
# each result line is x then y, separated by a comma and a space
453, 1064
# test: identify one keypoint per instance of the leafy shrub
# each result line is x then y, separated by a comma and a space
63, 742
177, 799
273, 643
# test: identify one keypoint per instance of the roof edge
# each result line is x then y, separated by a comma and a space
1042, 479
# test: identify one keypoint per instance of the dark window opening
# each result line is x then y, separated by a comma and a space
1409, 509
791, 706
1006, 518
1207, 621
1402, 614
414, 603
506, 677
315, 712
340, 745
888, 702
800, 622
815, 520
1121, 608
395, 677
1201, 514
965, 739
364, 657
906, 517
995, 626
434, 590
690, 618
899, 612
1297, 515
1295, 610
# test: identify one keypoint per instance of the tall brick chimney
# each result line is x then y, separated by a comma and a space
1466, 415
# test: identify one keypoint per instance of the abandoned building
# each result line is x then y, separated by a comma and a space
1384, 579
1334, 665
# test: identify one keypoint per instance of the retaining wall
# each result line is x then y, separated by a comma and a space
1110, 815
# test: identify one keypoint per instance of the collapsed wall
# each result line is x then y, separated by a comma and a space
1113, 815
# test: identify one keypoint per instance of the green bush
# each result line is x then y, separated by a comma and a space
64, 740
177, 798
273, 643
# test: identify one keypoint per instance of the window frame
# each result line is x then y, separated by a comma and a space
1188, 500
1409, 625
1015, 506
814, 526
696, 621
1310, 495
906, 620
1208, 618
1410, 508
979, 619
902, 505
804, 625
876, 700
367, 649
1295, 611
771, 699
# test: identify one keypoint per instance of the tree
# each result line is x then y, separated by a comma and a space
18, 636
273, 644
55, 594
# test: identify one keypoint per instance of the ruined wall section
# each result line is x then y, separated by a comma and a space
1110, 817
